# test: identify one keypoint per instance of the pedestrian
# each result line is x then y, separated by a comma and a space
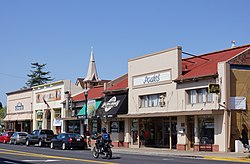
244, 136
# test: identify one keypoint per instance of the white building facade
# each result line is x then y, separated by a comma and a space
48, 109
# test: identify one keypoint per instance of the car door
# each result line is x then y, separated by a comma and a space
57, 140
1, 136
33, 136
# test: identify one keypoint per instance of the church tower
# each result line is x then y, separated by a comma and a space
92, 78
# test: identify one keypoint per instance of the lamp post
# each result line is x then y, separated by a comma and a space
86, 110
86, 103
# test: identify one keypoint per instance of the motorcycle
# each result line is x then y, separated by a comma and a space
104, 150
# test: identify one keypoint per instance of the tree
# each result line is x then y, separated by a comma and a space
37, 75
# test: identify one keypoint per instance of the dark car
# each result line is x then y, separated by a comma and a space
5, 137
40, 137
18, 138
68, 140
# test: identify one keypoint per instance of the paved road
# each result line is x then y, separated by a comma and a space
20, 154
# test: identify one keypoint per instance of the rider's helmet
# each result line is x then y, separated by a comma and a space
104, 130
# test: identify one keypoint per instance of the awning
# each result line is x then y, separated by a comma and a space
92, 106
114, 105
166, 114
18, 116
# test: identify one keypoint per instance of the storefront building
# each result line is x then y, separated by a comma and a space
171, 104
115, 103
19, 110
48, 109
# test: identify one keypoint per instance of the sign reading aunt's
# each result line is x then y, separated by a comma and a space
152, 78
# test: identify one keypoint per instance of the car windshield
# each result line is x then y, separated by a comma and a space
22, 134
49, 132
74, 135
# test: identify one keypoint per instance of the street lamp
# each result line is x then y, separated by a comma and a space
86, 102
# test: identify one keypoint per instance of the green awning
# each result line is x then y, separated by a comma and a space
90, 108
82, 111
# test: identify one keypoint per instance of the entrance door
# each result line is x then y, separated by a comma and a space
190, 132
166, 136
134, 133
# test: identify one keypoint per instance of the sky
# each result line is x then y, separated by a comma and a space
60, 33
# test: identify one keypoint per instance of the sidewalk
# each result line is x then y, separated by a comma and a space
228, 156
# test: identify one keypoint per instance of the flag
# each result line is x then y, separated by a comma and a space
46, 103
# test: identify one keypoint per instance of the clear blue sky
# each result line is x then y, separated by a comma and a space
60, 33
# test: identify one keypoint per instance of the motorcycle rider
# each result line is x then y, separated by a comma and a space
105, 138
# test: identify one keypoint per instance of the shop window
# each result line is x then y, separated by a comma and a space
117, 126
199, 96
39, 115
57, 113
206, 125
155, 100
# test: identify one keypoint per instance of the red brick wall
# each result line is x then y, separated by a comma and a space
181, 147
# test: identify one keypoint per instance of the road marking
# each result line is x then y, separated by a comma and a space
20, 153
10, 162
46, 160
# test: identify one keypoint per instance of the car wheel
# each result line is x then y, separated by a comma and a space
4, 141
64, 146
15, 142
27, 142
52, 145
10, 142
40, 143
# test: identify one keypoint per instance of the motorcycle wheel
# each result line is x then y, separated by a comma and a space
109, 154
95, 152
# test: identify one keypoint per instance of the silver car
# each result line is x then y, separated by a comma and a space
18, 138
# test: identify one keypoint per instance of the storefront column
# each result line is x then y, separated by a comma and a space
127, 136
196, 130
44, 121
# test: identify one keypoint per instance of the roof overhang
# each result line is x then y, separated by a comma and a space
182, 80
165, 114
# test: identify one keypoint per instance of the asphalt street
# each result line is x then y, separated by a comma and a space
20, 154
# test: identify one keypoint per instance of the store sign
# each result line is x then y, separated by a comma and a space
57, 122
113, 102
214, 88
152, 78
19, 106
238, 103
53, 95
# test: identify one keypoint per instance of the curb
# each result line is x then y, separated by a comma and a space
227, 159
240, 159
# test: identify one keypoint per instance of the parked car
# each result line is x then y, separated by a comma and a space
5, 136
18, 138
40, 137
68, 140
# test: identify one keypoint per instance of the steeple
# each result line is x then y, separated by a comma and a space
92, 73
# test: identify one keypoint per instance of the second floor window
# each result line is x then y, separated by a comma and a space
155, 100
199, 96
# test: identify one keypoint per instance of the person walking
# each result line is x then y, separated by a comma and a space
244, 135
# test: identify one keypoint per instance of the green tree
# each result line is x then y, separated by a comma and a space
37, 75
2, 115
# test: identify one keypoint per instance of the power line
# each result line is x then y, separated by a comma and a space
14, 76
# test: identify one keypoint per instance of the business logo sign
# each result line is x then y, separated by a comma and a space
19, 106
113, 102
152, 78
53, 95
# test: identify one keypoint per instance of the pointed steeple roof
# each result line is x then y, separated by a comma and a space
92, 72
